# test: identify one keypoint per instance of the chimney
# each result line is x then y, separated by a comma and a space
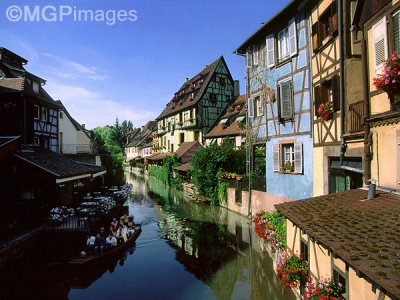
83, 126
236, 90
372, 189
187, 78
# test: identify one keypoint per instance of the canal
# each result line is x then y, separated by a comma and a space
187, 250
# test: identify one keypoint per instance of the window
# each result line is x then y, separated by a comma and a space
285, 105
255, 55
286, 41
259, 106
181, 137
213, 97
380, 51
338, 276
36, 141
396, 31
248, 58
287, 157
36, 112
250, 107
304, 255
283, 44
44, 114
328, 91
61, 115
326, 27
35, 86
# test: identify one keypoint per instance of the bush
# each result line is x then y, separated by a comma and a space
271, 226
165, 173
207, 162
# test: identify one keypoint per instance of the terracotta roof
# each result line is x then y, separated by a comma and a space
58, 165
364, 233
184, 102
183, 168
185, 147
159, 156
231, 112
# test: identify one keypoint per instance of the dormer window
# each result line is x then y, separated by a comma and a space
35, 86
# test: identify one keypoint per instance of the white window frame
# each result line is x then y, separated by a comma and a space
270, 51
249, 58
250, 107
44, 114
259, 106
295, 152
283, 44
35, 86
36, 112
379, 33
256, 54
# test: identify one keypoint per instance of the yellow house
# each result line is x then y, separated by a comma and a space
195, 107
349, 238
378, 23
337, 88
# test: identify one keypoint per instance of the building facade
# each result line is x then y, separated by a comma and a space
279, 102
195, 107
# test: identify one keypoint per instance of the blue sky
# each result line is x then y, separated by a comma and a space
131, 69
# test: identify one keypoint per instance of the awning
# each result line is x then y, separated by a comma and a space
354, 165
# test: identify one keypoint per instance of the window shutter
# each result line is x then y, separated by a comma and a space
250, 107
396, 31
317, 99
315, 36
248, 58
298, 158
380, 44
285, 100
292, 37
336, 93
255, 55
270, 51
334, 18
275, 157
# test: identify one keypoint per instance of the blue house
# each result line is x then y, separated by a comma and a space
280, 103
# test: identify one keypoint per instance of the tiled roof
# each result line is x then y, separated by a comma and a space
159, 156
364, 233
184, 167
58, 165
184, 102
185, 147
231, 127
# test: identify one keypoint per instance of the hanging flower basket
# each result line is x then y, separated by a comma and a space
389, 80
325, 111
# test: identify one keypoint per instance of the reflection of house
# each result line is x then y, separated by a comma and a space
230, 125
279, 106
195, 107
379, 35
336, 70
25, 107
349, 238
74, 140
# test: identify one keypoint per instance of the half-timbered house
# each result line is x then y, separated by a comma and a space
195, 106
25, 107
337, 96
279, 103
376, 25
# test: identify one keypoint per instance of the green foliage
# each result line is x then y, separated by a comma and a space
165, 173
271, 226
223, 191
207, 162
110, 140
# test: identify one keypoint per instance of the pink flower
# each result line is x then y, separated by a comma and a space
393, 81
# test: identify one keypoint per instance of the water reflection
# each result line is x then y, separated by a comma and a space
186, 250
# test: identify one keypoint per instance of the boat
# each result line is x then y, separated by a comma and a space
108, 255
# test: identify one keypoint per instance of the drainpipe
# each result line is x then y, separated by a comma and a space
341, 91
367, 130
249, 142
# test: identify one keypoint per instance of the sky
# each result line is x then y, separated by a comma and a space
126, 58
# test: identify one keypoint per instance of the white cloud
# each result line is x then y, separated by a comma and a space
73, 70
93, 109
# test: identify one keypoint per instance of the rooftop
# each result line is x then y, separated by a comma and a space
364, 233
197, 85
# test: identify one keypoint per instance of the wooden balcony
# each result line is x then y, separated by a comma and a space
355, 117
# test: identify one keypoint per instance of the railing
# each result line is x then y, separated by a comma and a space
78, 149
355, 116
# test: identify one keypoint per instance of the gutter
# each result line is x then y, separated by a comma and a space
342, 104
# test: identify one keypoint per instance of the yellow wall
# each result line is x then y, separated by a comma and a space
385, 165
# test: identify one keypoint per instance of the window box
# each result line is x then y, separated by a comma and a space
287, 158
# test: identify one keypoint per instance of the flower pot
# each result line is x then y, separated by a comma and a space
394, 101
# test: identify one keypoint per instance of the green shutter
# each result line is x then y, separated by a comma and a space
396, 31
286, 100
